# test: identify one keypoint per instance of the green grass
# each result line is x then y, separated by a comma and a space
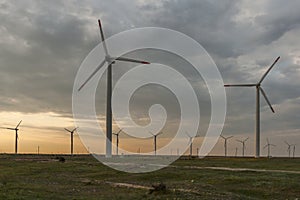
83, 177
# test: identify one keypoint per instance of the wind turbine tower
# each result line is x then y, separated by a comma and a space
258, 91
289, 148
117, 134
269, 147
294, 149
154, 138
191, 143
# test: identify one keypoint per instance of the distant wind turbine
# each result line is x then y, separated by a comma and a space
269, 147
225, 143
191, 143
117, 134
289, 148
72, 134
154, 138
17, 137
258, 90
243, 143
109, 60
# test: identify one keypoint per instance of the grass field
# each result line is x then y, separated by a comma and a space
83, 177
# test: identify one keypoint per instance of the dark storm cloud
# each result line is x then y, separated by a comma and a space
278, 20
42, 48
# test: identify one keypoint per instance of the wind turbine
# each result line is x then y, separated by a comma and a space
269, 145
109, 60
225, 143
243, 143
289, 148
154, 138
72, 134
191, 143
258, 90
117, 134
17, 137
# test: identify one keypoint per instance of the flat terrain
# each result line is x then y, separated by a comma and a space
83, 177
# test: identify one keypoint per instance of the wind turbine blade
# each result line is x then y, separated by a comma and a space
246, 139
102, 37
287, 143
273, 145
89, 78
68, 130
240, 141
119, 132
131, 60
239, 85
159, 133
74, 129
266, 146
4, 128
196, 136
222, 137
189, 134
264, 76
11, 128
230, 137
266, 98
151, 133
18, 124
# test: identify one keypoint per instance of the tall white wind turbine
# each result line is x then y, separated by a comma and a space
258, 91
109, 61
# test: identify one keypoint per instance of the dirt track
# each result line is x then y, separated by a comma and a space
240, 169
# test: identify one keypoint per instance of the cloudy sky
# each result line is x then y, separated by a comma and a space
44, 42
